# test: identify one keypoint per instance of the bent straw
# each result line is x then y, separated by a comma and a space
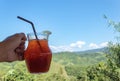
32, 27
30, 23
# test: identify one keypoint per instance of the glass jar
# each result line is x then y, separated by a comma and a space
38, 54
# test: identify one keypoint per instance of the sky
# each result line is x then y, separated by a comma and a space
76, 25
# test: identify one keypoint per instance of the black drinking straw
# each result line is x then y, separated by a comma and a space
32, 27
30, 23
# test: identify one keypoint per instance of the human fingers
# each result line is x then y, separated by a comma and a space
20, 50
20, 36
22, 45
23, 37
19, 40
17, 36
20, 53
15, 40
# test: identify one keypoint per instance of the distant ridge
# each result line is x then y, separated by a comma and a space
105, 49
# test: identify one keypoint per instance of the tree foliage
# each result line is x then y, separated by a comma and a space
109, 71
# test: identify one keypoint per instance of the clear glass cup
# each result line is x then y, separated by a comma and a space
38, 54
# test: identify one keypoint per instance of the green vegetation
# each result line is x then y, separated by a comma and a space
65, 66
72, 66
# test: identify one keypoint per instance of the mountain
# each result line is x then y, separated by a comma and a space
105, 49
65, 66
82, 58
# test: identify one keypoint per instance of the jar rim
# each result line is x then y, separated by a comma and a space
31, 33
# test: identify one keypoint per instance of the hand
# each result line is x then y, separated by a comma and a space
12, 48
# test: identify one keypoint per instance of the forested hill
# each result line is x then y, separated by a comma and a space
105, 49
84, 58
65, 66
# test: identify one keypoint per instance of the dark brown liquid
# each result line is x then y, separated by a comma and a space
38, 60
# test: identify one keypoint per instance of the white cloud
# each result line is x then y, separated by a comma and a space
71, 47
104, 44
78, 44
61, 48
93, 45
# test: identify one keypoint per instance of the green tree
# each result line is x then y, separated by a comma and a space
113, 63
109, 71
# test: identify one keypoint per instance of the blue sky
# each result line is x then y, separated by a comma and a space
75, 24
